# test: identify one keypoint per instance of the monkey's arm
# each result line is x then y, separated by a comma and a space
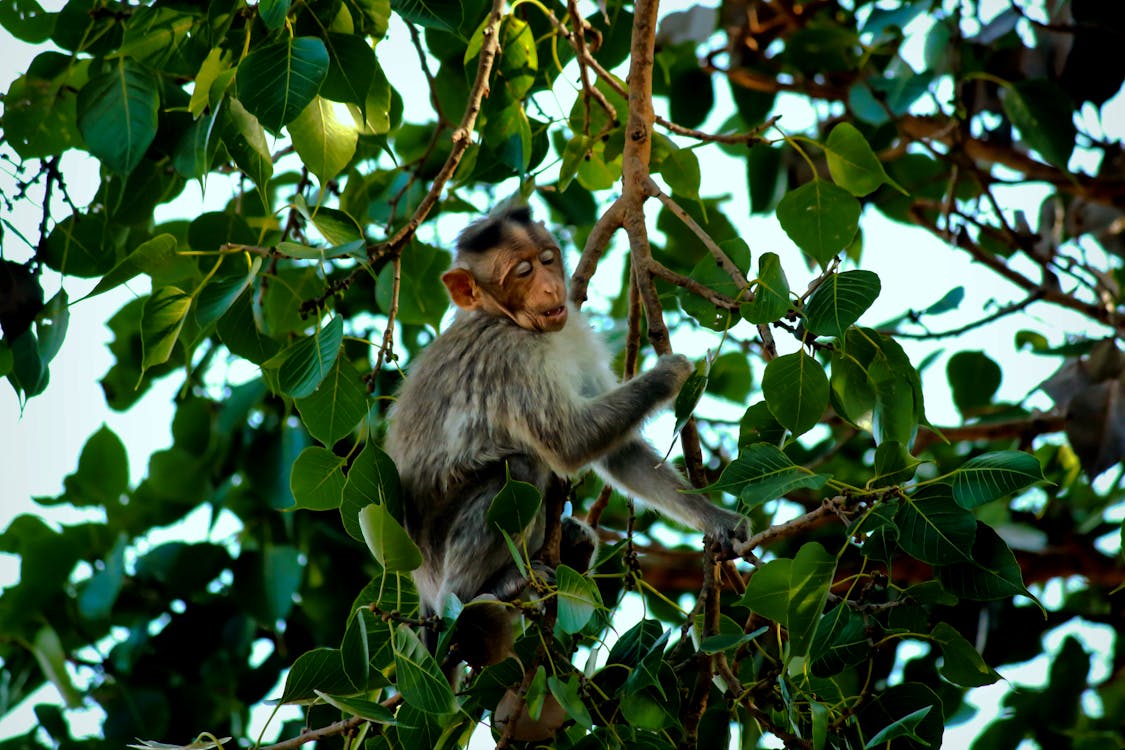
636, 469
571, 432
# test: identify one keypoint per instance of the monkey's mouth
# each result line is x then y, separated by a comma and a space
555, 318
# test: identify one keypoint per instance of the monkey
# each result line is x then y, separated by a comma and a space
519, 386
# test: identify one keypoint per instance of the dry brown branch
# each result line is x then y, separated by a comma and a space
828, 510
737, 275
461, 137
655, 268
1023, 430
1105, 315
596, 245
312, 735
386, 349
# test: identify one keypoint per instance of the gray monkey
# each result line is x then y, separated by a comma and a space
520, 385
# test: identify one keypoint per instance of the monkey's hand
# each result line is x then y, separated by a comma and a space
731, 530
672, 371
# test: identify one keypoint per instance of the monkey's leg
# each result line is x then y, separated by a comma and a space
579, 544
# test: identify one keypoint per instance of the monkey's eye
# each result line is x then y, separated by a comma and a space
523, 268
547, 257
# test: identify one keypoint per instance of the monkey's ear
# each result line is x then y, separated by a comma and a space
462, 288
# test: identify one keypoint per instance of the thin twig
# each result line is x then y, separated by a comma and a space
828, 509
1001, 313
386, 349
737, 275
595, 248
312, 735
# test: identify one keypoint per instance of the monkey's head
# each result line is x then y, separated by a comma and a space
509, 266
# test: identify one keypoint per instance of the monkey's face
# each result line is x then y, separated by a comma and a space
532, 287
512, 269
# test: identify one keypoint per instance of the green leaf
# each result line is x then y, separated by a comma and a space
730, 377
51, 658
150, 256
319, 670
355, 648
810, 578
241, 331
852, 163
334, 409
840, 641
990, 573
388, 541
519, 60
372, 478
420, 680
40, 111
98, 594
351, 69
364, 709
209, 232
514, 507
793, 593
117, 114
894, 464
974, 378
688, 398
716, 644
277, 81
324, 142
336, 226
306, 363
317, 479
1044, 115
220, 293
26, 20
771, 292
906, 727
839, 302
767, 593
102, 476
876, 375
962, 663
536, 694
245, 140
796, 391
821, 218
709, 274
274, 586
423, 301
272, 13
645, 711
568, 695
762, 472
991, 476
215, 63
680, 169
161, 320
949, 301
578, 599
81, 245
758, 425
933, 528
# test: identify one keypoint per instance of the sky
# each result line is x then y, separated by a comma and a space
40, 441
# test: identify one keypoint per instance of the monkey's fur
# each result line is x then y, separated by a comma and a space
514, 386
